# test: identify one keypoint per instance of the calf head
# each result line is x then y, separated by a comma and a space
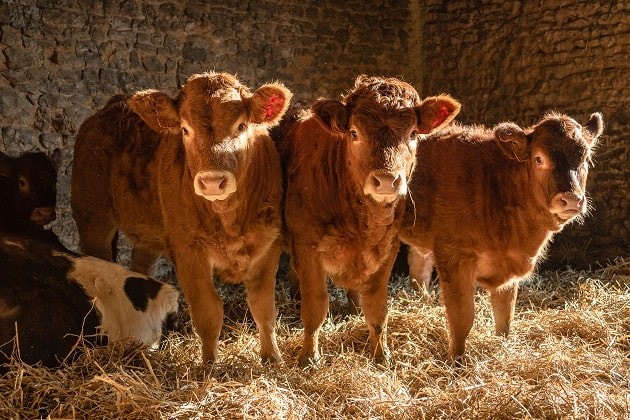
29, 184
557, 151
381, 121
215, 117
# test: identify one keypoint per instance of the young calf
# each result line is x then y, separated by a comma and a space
347, 164
49, 298
196, 179
28, 191
486, 204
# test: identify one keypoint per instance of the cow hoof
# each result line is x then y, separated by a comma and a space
458, 362
271, 359
384, 359
422, 290
309, 360
209, 359
416, 286
385, 362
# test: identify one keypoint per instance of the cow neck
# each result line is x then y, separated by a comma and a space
253, 188
227, 212
537, 211
532, 222
369, 216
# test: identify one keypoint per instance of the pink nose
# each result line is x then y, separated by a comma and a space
386, 183
385, 187
43, 215
215, 185
570, 201
212, 185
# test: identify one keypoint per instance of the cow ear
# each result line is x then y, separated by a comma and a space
436, 112
269, 103
512, 140
156, 109
595, 127
332, 114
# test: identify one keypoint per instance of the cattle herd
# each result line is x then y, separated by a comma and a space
222, 179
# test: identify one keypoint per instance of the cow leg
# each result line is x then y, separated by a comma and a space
194, 275
420, 269
314, 295
261, 298
97, 239
143, 258
458, 291
503, 302
373, 300
294, 283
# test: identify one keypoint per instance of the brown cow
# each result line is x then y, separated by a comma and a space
347, 164
196, 179
28, 191
487, 202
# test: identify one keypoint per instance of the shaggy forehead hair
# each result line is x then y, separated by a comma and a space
210, 84
201, 89
390, 93
561, 126
568, 135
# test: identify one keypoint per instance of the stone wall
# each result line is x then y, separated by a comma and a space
513, 60
61, 60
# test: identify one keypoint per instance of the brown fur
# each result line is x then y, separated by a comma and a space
334, 227
28, 192
134, 167
487, 202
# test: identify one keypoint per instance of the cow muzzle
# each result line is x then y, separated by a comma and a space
215, 185
43, 215
385, 187
567, 205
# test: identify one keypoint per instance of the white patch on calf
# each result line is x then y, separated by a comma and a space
105, 282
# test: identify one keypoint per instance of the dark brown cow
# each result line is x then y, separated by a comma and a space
28, 191
197, 179
347, 164
487, 202
48, 298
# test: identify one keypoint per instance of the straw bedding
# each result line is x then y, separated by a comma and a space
568, 356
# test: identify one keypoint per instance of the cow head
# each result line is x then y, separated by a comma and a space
216, 118
557, 151
31, 180
381, 121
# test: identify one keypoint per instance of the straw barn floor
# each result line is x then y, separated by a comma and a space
568, 357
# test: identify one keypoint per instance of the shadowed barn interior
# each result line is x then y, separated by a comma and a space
505, 61
61, 61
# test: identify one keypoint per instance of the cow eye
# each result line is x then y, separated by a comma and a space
539, 160
354, 134
22, 183
242, 127
413, 136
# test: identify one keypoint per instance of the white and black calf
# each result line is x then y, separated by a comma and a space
49, 298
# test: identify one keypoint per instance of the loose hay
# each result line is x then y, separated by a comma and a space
568, 356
